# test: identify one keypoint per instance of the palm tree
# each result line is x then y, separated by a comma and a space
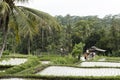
22, 20
6, 6
45, 22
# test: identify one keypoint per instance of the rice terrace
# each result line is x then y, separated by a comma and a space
59, 40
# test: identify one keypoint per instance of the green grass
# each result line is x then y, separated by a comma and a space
48, 57
3, 67
65, 60
34, 69
114, 59
16, 55
32, 61
97, 58
34, 77
107, 59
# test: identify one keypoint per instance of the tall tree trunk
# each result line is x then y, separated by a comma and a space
29, 45
42, 39
4, 43
79, 56
5, 32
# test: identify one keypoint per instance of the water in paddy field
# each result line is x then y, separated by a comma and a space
71, 71
13, 61
45, 62
97, 64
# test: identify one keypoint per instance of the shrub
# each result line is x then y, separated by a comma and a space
77, 50
116, 53
6, 52
60, 61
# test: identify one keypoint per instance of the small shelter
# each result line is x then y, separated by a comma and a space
91, 52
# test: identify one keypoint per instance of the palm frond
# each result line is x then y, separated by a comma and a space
4, 8
47, 20
13, 24
27, 26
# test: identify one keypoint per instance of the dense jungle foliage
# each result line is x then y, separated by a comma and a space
90, 30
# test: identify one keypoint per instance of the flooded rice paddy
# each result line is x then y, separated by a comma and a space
13, 61
97, 64
71, 71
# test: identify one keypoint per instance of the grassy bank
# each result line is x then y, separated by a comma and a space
33, 77
31, 62
16, 55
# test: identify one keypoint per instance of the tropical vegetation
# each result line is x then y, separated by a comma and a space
62, 40
22, 22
